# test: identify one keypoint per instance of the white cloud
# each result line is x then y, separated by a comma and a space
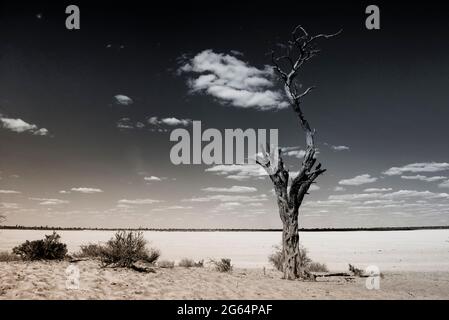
9, 192
424, 178
176, 122
227, 206
64, 192
358, 180
125, 123
233, 81
86, 190
377, 190
138, 201
123, 100
9, 205
172, 208
296, 153
418, 167
49, 202
355, 196
339, 189
397, 195
19, 126
314, 187
229, 198
41, 132
339, 148
415, 194
233, 189
286, 149
155, 121
152, 178
238, 172
383, 202
444, 184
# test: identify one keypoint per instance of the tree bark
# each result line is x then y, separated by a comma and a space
298, 51
290, 248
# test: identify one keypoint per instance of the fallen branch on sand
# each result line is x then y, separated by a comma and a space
142, 269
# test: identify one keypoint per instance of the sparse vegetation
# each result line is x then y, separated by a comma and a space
90, 250
356, 271
49, 248
186, 263
222, 265
8, 257
199, 264
166, 264
306, 264
277, 258
125, 249
317, 267
190, 263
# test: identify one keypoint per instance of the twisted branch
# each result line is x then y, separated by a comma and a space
300, 49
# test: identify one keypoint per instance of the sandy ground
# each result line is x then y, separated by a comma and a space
47, 280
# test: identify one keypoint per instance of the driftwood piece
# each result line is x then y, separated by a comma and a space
315, 275
74, 260
142, 269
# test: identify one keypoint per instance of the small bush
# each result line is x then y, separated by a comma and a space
199, 264
277, 258
190, 263
48, 249
223, 265
305, 263
89, 251
356, 271
8, 257
127, 248
317, 267
186, 263
304, 260
166, 264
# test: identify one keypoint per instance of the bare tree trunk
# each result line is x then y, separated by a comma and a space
298, 51
290, 248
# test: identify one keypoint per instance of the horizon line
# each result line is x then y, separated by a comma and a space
19, 227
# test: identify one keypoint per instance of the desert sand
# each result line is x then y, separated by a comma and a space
47, 280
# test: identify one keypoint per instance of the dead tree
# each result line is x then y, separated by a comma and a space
290, 192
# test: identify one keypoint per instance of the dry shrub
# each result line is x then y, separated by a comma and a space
317, 267
305, 263
47, 249
356, 271
93, 251
8, 257
199, 264
186, 263
277, 258
190, 263
222, 265
166, 264
125, 249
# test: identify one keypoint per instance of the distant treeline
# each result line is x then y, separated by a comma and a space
18, 227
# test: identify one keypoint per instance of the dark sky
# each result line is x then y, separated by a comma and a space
380, 93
